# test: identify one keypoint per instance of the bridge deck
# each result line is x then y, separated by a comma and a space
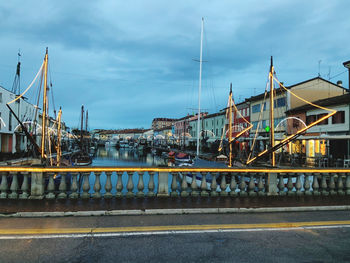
9, 206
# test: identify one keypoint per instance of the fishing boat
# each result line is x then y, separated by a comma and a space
123, 144
183, 158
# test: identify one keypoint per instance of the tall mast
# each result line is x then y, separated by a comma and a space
199, 89
43, 129
81, 127
58, 151
230, 126
86, 120
272, 121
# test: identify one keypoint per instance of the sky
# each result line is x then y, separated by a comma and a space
131, 61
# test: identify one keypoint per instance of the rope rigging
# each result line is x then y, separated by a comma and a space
273, 78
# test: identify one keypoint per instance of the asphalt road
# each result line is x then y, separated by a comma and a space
263, 237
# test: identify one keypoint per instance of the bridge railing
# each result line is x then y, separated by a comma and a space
127, 182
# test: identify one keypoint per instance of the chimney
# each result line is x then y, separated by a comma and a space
340, 83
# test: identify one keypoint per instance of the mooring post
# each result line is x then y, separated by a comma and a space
272, 184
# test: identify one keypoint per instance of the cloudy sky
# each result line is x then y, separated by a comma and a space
128, 62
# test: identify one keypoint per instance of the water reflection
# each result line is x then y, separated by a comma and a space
110, 156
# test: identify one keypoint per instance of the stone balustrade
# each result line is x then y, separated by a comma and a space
118, 182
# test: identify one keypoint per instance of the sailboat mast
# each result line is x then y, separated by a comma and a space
81, 127
199, 89
59, 137
86, 120
43, 129
230, 127
272, 122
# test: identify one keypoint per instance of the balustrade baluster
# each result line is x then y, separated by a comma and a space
233, 185
108, 186
151, 185
184, 186
223, 185
242, 186
261, 186
51, 186
307, 185
324, 185
290, 185
14, 186
3, 185
298, 185
204, 191
74, 187
213, 185
119, 186
340, 185
97, 186
174, 192
281, 185
332, 185
140, 186
347, 184
86, 186
194, 186
24, 187
315, 185
251, 185
130, 186
62, 187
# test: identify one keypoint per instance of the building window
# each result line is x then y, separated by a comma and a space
255, 125
256, 108
339, 117
10, 121
295, 123
0, 97
310, 119
324, 122
281, 102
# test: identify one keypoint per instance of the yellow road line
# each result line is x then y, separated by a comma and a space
38, 231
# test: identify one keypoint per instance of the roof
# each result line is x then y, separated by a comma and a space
163, 119
214, 115
346, 64
279, 91
338, 100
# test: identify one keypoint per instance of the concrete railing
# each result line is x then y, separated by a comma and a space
119, 182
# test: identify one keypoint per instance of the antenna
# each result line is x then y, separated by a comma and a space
319, 67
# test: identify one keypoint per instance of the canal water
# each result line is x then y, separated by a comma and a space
111, 156
129, 157
125, 157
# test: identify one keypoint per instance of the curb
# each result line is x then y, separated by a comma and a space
178, 211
